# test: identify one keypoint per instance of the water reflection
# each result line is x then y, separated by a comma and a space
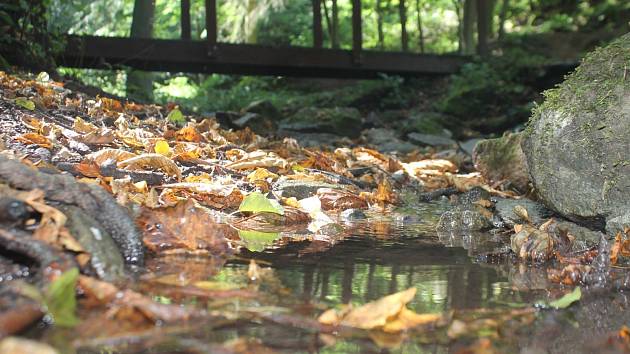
370, 264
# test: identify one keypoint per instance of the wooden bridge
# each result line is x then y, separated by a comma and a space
211, 56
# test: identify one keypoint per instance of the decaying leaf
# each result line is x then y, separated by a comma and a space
183, 228
257, 159
34, 138
340, 200
103, 155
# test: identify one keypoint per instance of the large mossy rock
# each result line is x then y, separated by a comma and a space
577, 143
341, 121
502, 159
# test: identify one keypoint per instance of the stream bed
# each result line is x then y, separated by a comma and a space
489, 305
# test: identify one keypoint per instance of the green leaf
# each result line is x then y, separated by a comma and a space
25, 103
176, 116
564, 301
60, 299
256, 202
257, 241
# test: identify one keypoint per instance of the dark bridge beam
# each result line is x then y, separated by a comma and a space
192, 56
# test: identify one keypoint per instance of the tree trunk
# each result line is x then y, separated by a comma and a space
335, 25
328, 21
318, 38
140, 83
379, 24
470, 17
460, 27
404, 37
505, 6
484, 13
419, 23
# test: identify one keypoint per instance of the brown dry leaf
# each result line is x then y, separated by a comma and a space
466, 182
110, 104
385, 194
261, 174
88, 169
152, 161
340, 200
34, 138
416, 168
213, 195
103, 155
389, 314
99, 137
259, 158
183, 228
522, 213
83, 127
189, 133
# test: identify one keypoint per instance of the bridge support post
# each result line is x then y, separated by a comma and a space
318, 37
211, 26
185, 18
357, 35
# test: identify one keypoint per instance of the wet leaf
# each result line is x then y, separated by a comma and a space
340, 200
25, 103
389, 314
256, 202
257, 241
183, 228
60, 299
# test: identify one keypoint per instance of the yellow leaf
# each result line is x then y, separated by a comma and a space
261, 174
162, 148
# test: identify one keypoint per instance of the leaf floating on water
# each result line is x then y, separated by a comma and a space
25, 103
152, 161
60, 299
256, 202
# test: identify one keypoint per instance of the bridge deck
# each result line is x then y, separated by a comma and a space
194, 56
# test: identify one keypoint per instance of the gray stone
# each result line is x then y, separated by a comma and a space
300, 189
340, 120
386, 140
504, 209
352, 215
430, 139
105, 258
314, 139
469, 145
585, 238
578, 140
265, 108
502, 159
463, 220
617, 224
259, 124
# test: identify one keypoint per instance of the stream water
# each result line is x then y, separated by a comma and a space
379, 257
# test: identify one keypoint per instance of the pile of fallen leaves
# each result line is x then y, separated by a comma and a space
158, 158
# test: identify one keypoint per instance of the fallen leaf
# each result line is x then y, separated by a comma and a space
152, 161
103, 155
25, 103
34, 138
183, 228
256, 202
388, 314
257, 241
567, 299
60, 299
340, 200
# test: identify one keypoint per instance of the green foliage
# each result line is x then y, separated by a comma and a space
25, 103
60, 299
256, 202
484, 87
176, 116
